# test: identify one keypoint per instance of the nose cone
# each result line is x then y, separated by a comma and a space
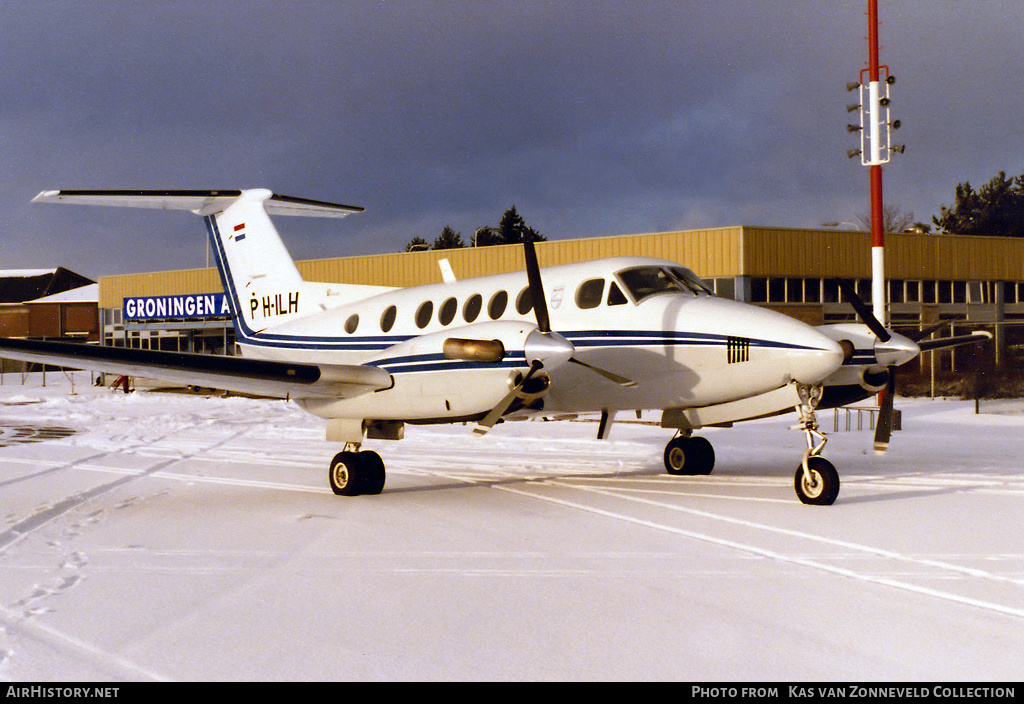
813, 356
896, 350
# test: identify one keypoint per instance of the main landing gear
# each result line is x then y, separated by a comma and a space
689, 455
816, 480
353, 472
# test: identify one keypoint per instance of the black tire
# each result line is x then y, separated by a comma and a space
372, 471
676, 455
823, 488
704, 460
345, 474
689, 456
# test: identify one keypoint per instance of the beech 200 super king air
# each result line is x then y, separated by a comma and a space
611, 335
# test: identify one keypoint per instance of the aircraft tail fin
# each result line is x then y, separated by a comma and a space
259, 276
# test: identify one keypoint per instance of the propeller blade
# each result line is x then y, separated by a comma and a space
944, 342
883, 428
610, 376
498, 411
540, 304
918, 335
863, 311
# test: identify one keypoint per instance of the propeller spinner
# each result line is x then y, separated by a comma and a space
544, 348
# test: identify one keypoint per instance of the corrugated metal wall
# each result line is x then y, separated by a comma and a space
728, 251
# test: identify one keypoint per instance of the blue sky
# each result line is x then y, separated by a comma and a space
593, 118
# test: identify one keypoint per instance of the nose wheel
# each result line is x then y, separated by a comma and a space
816, 480
817, 483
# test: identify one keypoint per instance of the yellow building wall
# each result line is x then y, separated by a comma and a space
717, 252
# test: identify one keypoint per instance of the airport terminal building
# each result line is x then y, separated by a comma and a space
967, 281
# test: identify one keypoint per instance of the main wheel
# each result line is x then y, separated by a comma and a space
344, 474
354, 473
689, 456
373, 474
822, 487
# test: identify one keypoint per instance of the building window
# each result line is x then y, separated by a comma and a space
758, 290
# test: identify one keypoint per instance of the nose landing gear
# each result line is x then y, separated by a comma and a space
816, 480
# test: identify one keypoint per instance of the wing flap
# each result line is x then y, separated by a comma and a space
239, 374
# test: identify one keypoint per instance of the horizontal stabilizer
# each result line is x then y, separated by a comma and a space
198, 202
239, 374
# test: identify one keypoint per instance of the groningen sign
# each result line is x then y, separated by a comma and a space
192, 306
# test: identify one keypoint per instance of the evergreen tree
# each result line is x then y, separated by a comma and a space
997, 208
487, 236
512, 228
417, 244
449, 239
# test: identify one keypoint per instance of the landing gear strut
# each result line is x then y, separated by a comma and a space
353, 472
816, 480
689, 455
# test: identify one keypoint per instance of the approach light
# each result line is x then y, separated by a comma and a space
852, 106
853, 128
898, 148
895, 124
852, 86
852, 153
890, 80
884, 102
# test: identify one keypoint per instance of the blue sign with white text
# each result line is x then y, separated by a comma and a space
198, 305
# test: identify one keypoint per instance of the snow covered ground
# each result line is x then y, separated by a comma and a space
165, 536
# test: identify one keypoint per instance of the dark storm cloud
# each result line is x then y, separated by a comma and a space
592, 117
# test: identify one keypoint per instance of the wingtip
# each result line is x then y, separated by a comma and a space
46, 196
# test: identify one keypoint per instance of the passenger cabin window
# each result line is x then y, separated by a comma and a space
645, 281
497, 305
352, 323
590, 293
471, 310
387, 320
446, 314
423, 314
524, 301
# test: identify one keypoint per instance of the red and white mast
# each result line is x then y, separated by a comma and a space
875, 131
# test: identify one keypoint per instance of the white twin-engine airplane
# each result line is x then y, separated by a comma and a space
620, 334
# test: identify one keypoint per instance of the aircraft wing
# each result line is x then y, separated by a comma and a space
268, 378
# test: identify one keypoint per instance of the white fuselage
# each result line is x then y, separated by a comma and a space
683, 347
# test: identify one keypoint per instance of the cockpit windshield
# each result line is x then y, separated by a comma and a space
644, 281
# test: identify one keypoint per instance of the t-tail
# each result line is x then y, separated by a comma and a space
262, 282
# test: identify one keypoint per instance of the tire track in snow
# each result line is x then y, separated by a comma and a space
775, 554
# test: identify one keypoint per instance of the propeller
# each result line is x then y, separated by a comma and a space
898, 349
544, 348
883, 428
